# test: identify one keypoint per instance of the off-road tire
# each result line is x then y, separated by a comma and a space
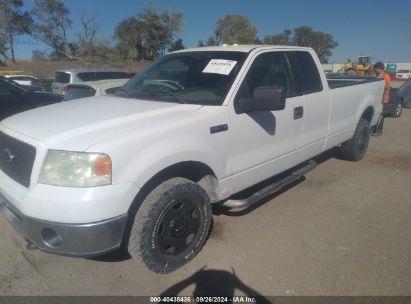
355, 148
151, 222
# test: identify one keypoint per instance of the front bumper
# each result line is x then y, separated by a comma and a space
82, 240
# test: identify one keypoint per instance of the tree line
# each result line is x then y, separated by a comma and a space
146, 35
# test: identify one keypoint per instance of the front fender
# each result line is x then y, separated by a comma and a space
139, 154
137, 160
149, 162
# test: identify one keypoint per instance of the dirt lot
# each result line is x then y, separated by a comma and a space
344, 230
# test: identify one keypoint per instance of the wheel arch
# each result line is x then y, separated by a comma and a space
194, 171
368, 114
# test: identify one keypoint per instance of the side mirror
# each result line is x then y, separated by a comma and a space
264, 99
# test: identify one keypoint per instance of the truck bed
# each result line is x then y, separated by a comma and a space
348, 94
338, 81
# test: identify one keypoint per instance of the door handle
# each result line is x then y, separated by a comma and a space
298, 112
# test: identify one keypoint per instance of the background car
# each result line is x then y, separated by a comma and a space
15, 99
400, 97
93, 88
405, 92
22, 79
32, 88
65, 77
403, 74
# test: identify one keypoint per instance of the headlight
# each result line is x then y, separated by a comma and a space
76, 169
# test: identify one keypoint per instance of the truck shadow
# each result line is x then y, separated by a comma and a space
119, 255
265, 120
218, 283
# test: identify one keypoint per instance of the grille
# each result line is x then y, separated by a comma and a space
16, 159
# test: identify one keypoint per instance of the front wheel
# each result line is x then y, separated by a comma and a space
355, 148
171, 225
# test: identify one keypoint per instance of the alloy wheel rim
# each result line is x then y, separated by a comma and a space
399, 108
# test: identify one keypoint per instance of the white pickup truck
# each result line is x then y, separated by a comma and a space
142, 168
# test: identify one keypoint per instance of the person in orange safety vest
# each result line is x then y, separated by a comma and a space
379, 69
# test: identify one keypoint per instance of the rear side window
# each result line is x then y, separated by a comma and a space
111, 75
22, 78
62, 77
94, 76
305, 72
75, 92
86, 76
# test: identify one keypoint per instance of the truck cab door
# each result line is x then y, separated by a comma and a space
264, 143
317, 103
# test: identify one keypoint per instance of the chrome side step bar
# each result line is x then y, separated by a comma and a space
270, 189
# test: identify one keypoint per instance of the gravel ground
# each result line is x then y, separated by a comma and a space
345, 229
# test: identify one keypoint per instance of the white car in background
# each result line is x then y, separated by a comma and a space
403, 74
65, 77
93, 88
22, 79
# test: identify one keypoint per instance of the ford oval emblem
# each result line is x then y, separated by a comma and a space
7, 156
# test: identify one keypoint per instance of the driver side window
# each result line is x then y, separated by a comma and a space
268, 69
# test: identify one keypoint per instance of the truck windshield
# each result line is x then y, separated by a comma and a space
188, 77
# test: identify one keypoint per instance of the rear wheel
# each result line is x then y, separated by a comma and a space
355, 148
171, 225
397, 111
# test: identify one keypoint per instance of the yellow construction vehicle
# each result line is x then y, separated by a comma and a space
362, 66
11, 72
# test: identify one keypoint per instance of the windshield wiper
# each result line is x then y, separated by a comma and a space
160, 93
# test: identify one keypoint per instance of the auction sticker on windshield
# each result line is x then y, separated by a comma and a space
220, 66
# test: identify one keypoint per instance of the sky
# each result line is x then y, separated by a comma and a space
377, 28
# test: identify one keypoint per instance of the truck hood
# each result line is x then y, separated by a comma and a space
78, 124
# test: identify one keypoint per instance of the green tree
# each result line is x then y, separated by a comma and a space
322, 43
3, 49
176, 45
280, 39
39, 55
87, 37
147, 34
129, 36
234, 29
210, 42
13, 22
52, 20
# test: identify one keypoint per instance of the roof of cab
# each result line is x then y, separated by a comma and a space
246, 48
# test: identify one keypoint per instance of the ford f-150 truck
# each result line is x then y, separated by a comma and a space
142, 168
